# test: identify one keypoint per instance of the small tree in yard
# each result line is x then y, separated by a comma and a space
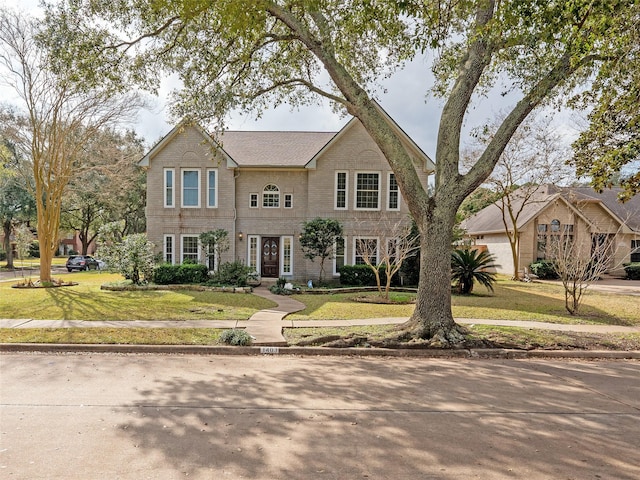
132, 257
318, 239
399, 241
578, 268
214, 243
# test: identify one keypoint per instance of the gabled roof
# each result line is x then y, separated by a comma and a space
278, 149
179, 128
489, 219
627, 213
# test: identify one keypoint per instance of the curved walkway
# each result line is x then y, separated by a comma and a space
265, 326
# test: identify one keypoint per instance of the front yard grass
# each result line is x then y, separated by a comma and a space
122, 336
511, 300
86, 301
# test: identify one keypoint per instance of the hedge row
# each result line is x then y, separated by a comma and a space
363, 276
167, 274
632, 270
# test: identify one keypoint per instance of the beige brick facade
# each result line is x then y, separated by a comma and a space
305, 188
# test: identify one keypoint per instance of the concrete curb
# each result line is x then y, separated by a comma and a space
321, 351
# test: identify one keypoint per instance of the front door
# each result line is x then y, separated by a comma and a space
270, 260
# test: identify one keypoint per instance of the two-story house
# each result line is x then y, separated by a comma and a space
262, 186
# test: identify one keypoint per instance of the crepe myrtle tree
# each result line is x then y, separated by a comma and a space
132, 256
249, 55
54, 118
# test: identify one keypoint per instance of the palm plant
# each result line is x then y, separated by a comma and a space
470, 266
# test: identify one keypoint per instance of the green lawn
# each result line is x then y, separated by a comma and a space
510, 301
86, 301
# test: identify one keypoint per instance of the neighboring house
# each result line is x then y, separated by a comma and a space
579, 213
262, 186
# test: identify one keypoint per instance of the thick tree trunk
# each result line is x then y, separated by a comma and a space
513, 242
432, 318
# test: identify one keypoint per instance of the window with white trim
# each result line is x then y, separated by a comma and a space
190, 188
168, 248
271, 196
287, 256
253, 200
288, 200
341, 190
169, 192
212, 188
367, 191
393, 199
190, 248
252, 254
365, 248
339, 257
635, 251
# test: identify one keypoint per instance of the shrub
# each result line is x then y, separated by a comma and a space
167, 274
363, 276
233, 273
73, 252
235, 337
3, 255
470, 266
632, 270
34, 249
544, 270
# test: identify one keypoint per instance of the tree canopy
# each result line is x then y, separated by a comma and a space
253, 54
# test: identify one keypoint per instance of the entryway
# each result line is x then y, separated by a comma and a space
270, 259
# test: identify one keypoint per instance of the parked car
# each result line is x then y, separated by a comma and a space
81, 262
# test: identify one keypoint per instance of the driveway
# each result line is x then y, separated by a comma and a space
104, 416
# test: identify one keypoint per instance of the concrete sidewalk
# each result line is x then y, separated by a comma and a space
266, 326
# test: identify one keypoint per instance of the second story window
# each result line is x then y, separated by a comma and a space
253, 200
271, 196
169, 195
190, 188
341, 191
393, 202
288, 200
212, 188
367, 191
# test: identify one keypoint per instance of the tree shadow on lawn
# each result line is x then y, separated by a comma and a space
142, 305
536, 305
310, 418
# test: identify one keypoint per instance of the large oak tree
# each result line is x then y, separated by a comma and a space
253, 54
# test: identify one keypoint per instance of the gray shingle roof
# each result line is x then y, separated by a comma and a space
489, 219
273, 149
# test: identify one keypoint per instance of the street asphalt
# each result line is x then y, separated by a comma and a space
164, 417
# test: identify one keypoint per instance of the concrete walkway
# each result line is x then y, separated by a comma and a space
265, 326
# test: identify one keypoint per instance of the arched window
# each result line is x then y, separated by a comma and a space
555, 225
271, 196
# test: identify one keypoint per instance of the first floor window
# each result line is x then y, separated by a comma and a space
253, 252
339, 258
287, 260
367, 191
168, 249
366, 251
635, 250
189, 248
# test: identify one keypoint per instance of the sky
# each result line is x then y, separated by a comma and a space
406, 100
